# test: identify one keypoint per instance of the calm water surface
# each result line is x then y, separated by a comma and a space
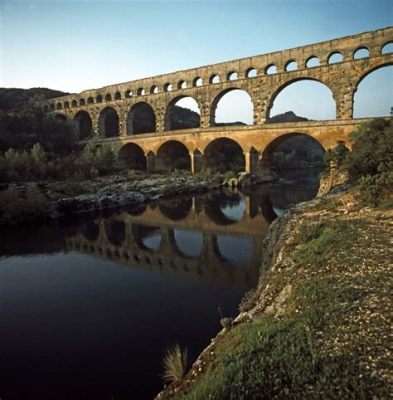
89, 305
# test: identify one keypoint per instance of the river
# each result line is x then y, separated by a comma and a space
88, 305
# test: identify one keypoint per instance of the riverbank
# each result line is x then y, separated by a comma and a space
317, 324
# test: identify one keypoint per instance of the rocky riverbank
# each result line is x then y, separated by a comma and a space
318, 324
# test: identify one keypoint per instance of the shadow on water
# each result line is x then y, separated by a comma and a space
89, 304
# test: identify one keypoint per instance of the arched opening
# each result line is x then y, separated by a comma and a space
128, 94
99, 99
361, 52
154, 89
61, 117
225, 208
141, 119
214, 79
177, 209
108, 97
147, 237
197, 82
271, 69
90, 100
168, 87
52, 107
66, 104
108, 122
84, 124
117, 96
232, 107
387, 48
82, 102
189, 243
251, 72
222, 155
232, 76
373, 96
300, 100
182, 85
182, 113
115, 232
132, 156
59, 106
74, 103
293, 155
173, 155
233, 249
335, 57
312, 61
291, 66
90, 231
140, 92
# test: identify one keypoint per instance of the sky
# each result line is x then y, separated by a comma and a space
75, 45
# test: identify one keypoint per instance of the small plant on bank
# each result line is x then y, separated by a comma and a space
175, 363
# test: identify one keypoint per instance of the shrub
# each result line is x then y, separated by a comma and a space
337, 155
175, 363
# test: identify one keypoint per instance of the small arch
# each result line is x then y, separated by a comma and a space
117, 96
128, 94
175, 210
335, 57
82, 102
312, 62
198, 81
215, 78
251, 72
232, 76
66, 104
188, 243
108, 122
182, 85
291, 65
232, 107
361, 52
387, 48
61, 117
90, 100
59, 106
74, 103
154, 89
141, 119
84, 124
52, 107
173, 155
182, 113
108, 97
271, 69
224, 154
132, 156
168, 87
140, 92
99, 99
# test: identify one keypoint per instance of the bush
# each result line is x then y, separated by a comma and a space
338, 155
175, 363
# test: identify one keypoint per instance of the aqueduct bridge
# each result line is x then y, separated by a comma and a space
136, 117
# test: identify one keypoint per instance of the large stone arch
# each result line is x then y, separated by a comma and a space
276, 91
141, 118
108, 122
172, 155
174, 120
132, 156
84, 124
220, 95
224, 154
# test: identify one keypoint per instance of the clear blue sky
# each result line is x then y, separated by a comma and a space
77, 45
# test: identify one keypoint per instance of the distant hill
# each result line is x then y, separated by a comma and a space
288, 116
13, 98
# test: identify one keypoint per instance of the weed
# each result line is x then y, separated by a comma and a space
175, 363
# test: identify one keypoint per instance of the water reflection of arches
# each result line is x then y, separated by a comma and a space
147, 237
176, 209
215, 210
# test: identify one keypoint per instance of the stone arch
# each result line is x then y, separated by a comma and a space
361, 52
268, 154
387, 48
232, 76
154, 89
74, 103
168, 87
66, 104
219, 97
182, 84
141, 119
108, 122
271, 69
127, 93
108, 97
198, 81
60, 117
172, 155
59, 106
291, 65
177, 117
214, 78
312, 61
251, 72
147, 237
224, 154
52, 107
84, 124
176, 209
82, 102
182, 237
140, 92
132, 156
369, 100
281, 88
335, 57
117, 96
90, 100
99, 99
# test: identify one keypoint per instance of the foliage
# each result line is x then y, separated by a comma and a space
175, 363
375, 188
337, 155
